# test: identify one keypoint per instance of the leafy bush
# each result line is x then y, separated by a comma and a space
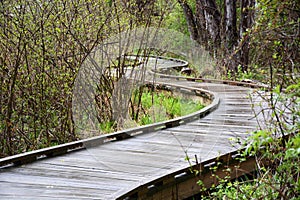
43, 44
277, 152
277, 174
275, 53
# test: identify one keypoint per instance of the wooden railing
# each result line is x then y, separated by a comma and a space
32, 156
176, 183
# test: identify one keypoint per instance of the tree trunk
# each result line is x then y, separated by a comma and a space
201, 23
191, 23
247, 19
213, 21
206, 28
204, 25
230, 24
230, 35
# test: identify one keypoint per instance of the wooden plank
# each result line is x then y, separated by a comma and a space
27, 191
223, 125
46, 180
114, 168
66, 172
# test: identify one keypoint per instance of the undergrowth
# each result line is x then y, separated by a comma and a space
277, 153
154, 106
164, 105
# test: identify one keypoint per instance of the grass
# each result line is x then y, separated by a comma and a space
153, 107
164, 105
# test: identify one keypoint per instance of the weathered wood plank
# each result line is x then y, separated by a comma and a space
115, 168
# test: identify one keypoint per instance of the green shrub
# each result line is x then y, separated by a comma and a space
277, 152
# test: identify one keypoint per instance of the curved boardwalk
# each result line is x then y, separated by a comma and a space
110, 170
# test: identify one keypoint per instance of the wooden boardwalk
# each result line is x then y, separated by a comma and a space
113, 169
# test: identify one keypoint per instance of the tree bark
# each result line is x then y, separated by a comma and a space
201, 23
230, 35
230, 24
247, 20
204, 25
192, 26
213, 21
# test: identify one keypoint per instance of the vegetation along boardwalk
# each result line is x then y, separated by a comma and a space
139, 163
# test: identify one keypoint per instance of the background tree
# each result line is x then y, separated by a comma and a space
246, 22
275, 40
214, 25
275, 60
43, 44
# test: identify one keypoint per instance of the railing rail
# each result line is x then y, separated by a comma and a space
32, 156
188, 177
184, 178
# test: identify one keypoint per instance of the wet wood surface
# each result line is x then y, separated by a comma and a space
104, 172
109, 170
